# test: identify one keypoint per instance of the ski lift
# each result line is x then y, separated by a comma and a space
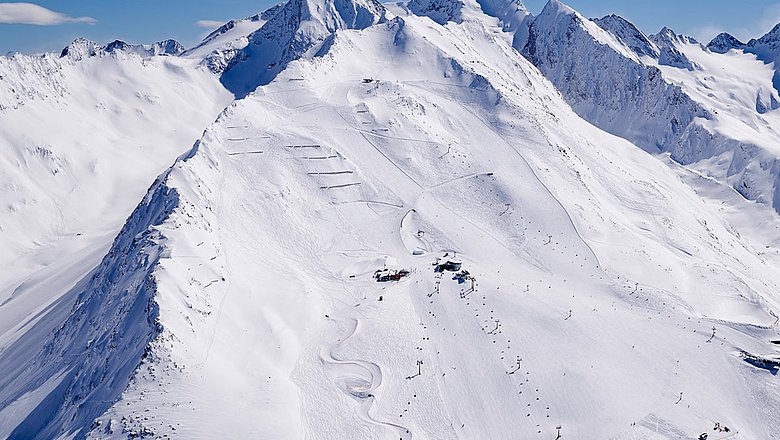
462, 276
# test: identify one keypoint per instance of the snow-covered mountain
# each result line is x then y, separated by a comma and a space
298, 28
219, 47
82, 137
591, 290
766, 48
666, 93
724, 42
83, 48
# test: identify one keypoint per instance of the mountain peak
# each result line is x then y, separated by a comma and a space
82, 48
298, 27
724, 42
766, 48
628, 34
768, 42
116, 45
338, 14
556, 7
773, 34
670, 36
511, 13
667, 33
167, 47
261, 17
79, 49
553, 12
669, 55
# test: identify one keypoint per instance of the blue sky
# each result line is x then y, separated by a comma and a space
143, 21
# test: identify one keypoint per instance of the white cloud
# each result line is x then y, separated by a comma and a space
211, 24
30, 13
770, 18
706, 33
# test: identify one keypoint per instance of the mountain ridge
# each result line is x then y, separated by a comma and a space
679, 118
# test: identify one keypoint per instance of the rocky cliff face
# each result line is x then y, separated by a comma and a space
724, 42
629, 35
94, 352
606, 82
767, 47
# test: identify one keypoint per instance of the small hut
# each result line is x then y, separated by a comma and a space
449, 263
387, 275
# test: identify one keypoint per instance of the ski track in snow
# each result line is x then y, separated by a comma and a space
361, 387
492, 128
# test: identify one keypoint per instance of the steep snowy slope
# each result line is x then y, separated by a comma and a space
604, 297
70, 373
666, 93
112, 120
606, 82
219, 47
299, 27
513, 16
738, 91
81, 139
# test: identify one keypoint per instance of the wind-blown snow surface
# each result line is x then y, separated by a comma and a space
600, 273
